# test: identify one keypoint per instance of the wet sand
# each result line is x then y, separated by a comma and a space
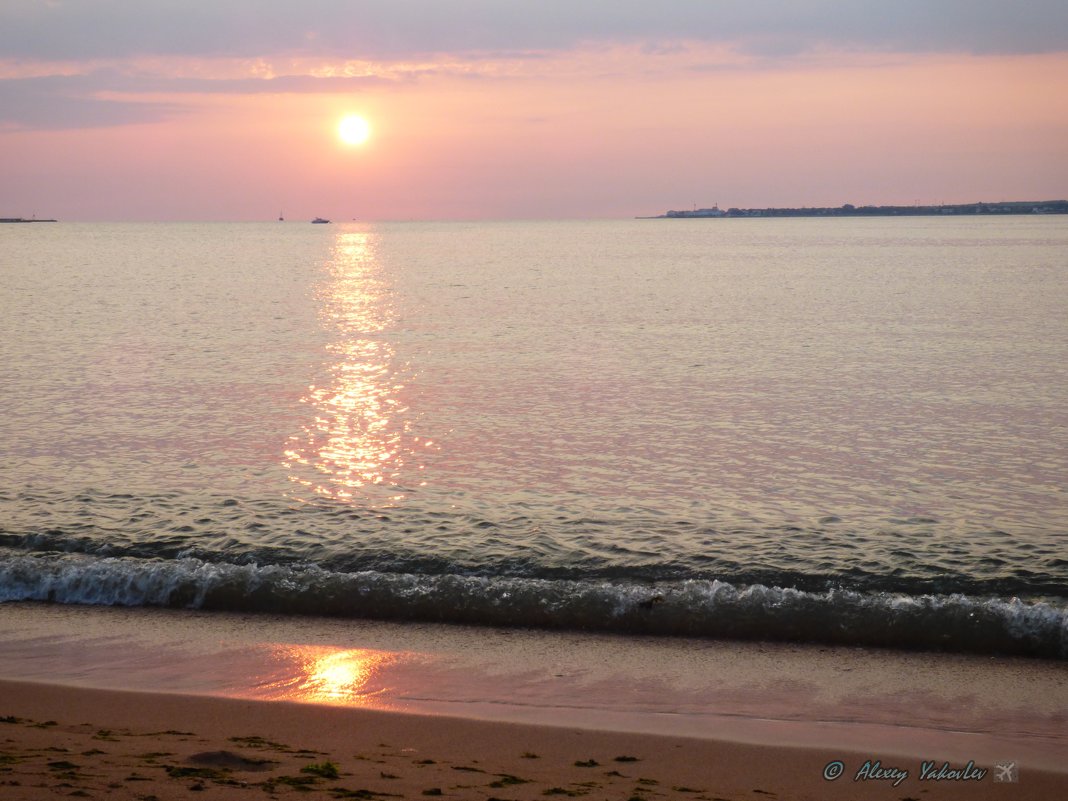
141, 703
75, 742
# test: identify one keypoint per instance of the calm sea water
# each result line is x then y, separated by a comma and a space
819, 430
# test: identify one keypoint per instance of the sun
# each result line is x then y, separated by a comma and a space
354, 130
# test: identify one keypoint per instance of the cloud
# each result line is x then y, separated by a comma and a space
402, 29
60, 102
176, 47
57, 102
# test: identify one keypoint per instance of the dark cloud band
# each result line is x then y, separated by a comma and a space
399, 29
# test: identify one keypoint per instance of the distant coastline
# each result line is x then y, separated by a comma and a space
22, 220
849, 210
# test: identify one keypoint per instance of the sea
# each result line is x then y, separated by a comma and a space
837, 431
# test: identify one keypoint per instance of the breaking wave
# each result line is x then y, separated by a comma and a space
693, 607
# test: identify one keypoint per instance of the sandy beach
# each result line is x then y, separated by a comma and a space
144, 704
73, 742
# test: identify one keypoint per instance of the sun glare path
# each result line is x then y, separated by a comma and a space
354, 130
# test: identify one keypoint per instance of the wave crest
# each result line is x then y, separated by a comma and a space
696, 608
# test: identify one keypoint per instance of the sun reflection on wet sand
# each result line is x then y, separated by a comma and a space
323, 675
360, 433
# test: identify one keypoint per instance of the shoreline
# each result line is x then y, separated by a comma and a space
126, 744
730, 711
1000, 208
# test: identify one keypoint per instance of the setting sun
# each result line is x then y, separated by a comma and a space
354, 130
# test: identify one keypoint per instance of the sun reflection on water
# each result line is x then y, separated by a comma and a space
360, 433
323, 675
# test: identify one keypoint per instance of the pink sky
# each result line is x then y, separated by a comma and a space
555, 116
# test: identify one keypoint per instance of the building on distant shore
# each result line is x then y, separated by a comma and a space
715, 211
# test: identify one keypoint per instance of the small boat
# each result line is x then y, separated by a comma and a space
320, 220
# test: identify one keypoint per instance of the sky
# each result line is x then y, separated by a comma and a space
494, 109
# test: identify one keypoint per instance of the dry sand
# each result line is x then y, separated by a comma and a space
73, 742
